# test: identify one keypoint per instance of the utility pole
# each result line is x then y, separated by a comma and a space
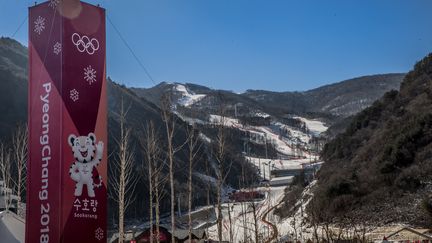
259, 165
269, 163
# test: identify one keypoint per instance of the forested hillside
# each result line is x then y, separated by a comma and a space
380, 168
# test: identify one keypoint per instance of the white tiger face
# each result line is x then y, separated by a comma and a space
83, 147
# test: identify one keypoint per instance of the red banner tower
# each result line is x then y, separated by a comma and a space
67, 170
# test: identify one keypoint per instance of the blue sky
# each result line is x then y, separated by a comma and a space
278, 45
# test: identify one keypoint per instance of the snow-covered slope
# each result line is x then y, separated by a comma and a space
293, 142
315, 126
188, 97
292, 145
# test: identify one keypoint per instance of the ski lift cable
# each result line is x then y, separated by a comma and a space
130, 50
19, 27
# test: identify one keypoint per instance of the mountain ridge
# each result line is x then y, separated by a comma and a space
330, 98
14, 84
340, 100
274, 118
379, 169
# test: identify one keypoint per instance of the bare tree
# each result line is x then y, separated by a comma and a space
208, 194
150, 179
255, 221
231, 233
314, 218
123, 180
220, 157
244, 220
328, 231
159, 182
340, 227
170, 121
19, 144
247, 183
5, 170
159, 194
242, 184
293, 223
194, 145
151, 146
219, 150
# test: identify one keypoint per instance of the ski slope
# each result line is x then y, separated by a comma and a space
315, 126
238, 221
238, 218
188, 97
271, 134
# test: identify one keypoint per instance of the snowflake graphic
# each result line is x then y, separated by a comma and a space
74, 95
39, 25
53, 3
99, 234
90, 74
57, 48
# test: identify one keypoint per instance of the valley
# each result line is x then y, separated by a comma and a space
270, 166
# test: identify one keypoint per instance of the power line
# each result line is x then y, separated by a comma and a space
131, 51
19, 27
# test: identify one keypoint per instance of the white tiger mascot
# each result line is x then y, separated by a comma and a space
87, 156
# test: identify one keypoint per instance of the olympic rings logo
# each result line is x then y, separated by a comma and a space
85, 44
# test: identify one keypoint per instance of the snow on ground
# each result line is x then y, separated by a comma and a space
242, 217
241, 214
261, 114
190, 121
295, 133
281, 144
315, 126
188, 97
270, 133
204, 137
297, 224
213, 181
12, 227
226, 121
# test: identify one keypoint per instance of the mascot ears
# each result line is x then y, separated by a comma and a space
92, 136
71, 139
